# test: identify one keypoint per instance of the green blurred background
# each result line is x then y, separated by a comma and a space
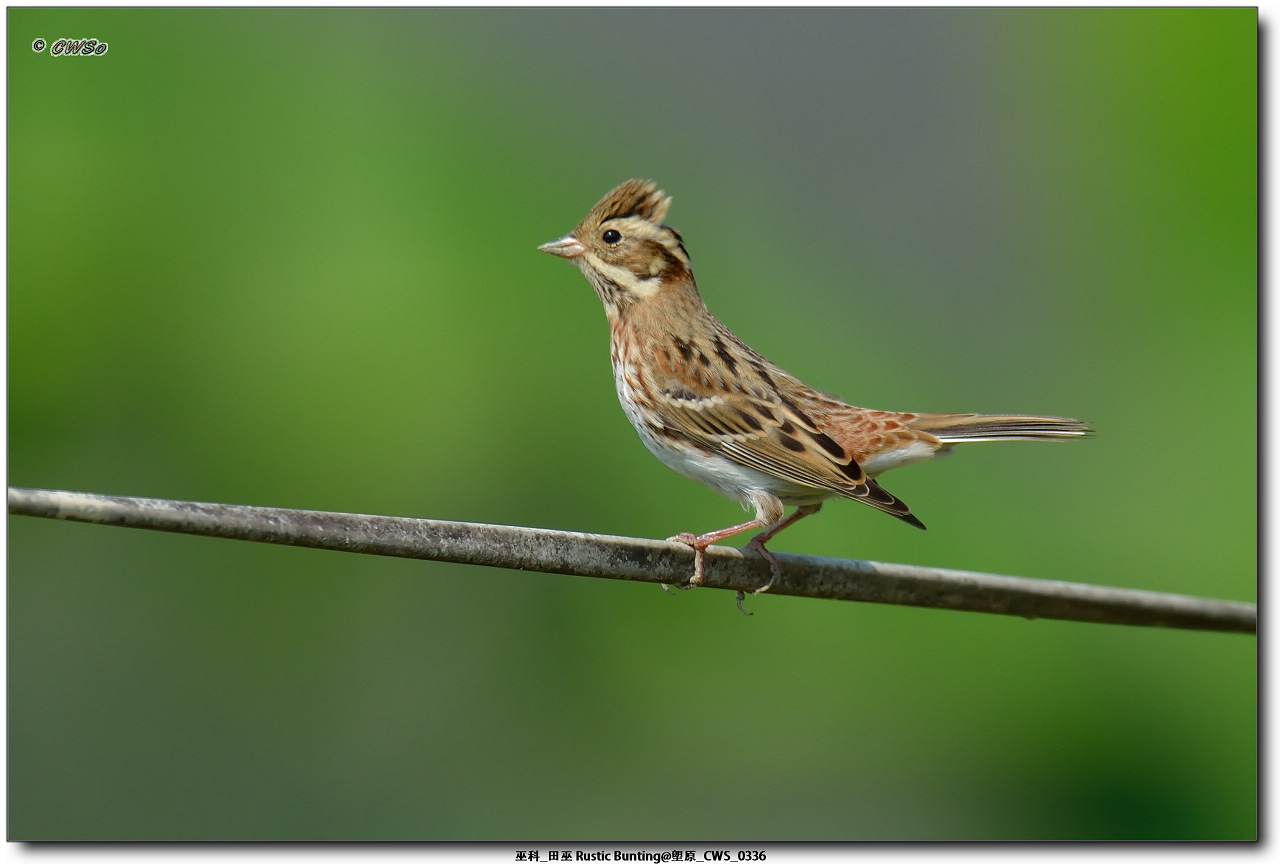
288, 258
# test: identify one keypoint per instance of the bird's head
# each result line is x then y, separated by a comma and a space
623, 248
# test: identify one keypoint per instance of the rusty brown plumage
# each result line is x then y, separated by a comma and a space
710, 407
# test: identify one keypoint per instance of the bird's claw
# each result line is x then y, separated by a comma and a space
699, 548
775, 569
694, 542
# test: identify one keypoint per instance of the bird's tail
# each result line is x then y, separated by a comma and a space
954, 428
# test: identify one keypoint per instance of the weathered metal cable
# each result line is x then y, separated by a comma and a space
644, 560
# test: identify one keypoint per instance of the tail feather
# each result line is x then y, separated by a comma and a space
950, 428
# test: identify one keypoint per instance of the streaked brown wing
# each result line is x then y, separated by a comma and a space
753, 423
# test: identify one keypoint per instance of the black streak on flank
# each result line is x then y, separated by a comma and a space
722, 351
673, 434
704, 359
685, 349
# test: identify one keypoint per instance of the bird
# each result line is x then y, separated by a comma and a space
713, 409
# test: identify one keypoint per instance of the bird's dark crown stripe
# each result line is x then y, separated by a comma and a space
640, 205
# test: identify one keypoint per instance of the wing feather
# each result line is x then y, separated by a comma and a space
758, 427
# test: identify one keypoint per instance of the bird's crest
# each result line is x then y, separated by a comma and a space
640, 198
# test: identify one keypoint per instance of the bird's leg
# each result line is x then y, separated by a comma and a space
769, 512
758, 541
700, 542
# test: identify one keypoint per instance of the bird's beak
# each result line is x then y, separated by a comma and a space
566, 247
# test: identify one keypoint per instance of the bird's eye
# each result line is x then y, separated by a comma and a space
612, 237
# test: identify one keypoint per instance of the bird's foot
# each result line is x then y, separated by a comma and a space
699, 547
757, 545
